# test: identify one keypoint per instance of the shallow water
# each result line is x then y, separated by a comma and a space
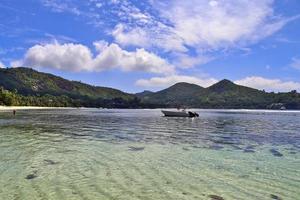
137, 154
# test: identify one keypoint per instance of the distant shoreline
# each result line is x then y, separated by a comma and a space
31, 108
11, 108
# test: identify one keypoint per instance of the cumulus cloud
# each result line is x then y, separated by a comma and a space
140, 60
69, 57
205, 26
269, 84
100, 45
77, 57
167, 81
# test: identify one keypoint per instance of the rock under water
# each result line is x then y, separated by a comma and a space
276, 153
136, 148
215, 197
273, 196
31, 176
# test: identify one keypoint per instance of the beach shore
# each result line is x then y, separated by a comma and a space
4, 108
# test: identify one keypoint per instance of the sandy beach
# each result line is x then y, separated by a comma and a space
4, 108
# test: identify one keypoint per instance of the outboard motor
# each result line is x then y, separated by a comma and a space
193, 114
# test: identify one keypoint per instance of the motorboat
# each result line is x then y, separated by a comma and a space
179, 113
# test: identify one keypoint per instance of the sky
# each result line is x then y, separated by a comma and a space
137, 45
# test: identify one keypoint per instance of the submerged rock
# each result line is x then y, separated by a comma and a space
31, 176
215, 197
273, 196
50, 162
136, 148
276, 153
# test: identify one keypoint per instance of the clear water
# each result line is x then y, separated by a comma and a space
138, 154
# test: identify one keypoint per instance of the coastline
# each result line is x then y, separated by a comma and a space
11, 108
4, 108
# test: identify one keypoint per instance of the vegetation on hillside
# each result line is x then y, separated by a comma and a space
224, 94
27, 87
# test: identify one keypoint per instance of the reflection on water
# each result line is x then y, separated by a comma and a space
137, 154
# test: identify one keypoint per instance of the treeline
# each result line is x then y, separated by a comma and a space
229, 100
12, 98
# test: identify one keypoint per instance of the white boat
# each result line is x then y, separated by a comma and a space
181, 113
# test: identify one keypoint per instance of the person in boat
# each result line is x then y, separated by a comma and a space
181, 109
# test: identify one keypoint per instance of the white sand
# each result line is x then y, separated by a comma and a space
3, 108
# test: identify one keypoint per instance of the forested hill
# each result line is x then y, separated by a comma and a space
224, 94
31, 87
28, 87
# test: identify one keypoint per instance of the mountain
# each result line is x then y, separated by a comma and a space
224, 94
29, 82
143, 94
176, 95
28, 87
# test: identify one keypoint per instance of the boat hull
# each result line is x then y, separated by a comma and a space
176, 113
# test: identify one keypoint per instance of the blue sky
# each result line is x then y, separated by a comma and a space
135, 45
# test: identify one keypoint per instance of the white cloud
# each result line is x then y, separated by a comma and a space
201, 25
161, 37
161, 82
140, 60
2, 65
295, 63
269, 84
205, 26
98, 5
137, 36
69, 57
77, 57
100, 45
185, 61
58, 6
220, 24
208, 25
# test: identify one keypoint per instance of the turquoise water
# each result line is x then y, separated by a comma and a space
138, 154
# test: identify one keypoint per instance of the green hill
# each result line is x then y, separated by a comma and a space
224, 94
28, 87
28, 82
180, 94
